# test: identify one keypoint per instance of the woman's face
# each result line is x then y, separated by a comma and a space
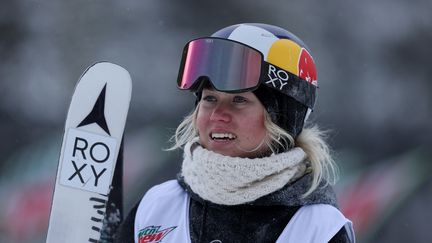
232, 124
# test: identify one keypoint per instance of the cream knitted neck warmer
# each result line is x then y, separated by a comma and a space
232, 180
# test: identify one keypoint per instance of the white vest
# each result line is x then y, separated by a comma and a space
163, 216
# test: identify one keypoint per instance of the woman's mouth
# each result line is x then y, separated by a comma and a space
222, 136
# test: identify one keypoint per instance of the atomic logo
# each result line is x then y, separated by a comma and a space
152, 234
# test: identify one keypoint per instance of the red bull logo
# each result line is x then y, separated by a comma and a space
307, 69
289, 56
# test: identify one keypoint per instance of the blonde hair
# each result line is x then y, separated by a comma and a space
311, 140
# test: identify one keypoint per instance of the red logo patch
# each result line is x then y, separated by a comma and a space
152, 234
307, 70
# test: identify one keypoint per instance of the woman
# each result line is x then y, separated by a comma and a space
251, 172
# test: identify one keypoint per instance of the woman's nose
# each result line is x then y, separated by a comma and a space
221, 113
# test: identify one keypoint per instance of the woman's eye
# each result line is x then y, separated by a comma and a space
239, 99
209, 98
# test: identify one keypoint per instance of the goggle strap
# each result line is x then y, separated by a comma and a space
288, 83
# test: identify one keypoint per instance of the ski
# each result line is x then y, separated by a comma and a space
87, 199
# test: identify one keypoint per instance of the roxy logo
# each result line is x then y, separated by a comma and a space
277, 77
88, 161
152, 234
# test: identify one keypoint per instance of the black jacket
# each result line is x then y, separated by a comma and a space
260, 221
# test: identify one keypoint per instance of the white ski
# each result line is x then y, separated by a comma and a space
92, 139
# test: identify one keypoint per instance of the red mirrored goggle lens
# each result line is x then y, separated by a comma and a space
230, 66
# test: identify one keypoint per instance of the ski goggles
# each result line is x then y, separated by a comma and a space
234, 67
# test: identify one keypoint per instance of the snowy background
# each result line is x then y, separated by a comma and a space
374, 70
